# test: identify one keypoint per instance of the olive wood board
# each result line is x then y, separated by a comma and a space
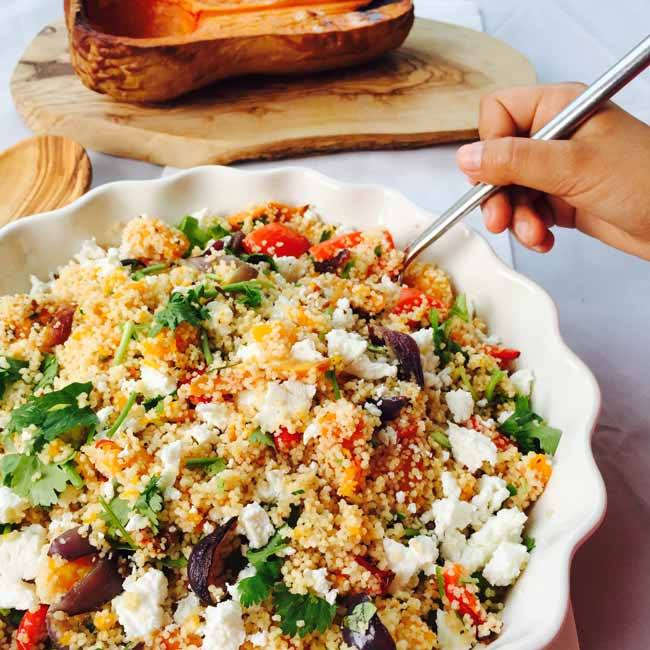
426, 92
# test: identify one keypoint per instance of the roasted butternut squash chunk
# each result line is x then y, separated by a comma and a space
156, 50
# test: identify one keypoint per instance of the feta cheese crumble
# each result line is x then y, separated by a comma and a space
285, 405
461, 404
522, 380
224, 627
471, 448
256, 525
506, 564
407, 561
19, 554
12, 507
139, 608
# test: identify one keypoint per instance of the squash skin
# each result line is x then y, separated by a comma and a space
163, 68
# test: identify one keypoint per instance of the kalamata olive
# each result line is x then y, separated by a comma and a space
390, 407
362, 627
407, 352
210, 564
236, 243
133, 263
58, 625
331, 264
71, 545
102, 584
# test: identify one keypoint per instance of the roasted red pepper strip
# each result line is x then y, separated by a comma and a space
277, 240
383, 578
32, 629
285, 441
459, 596
331, 247
503, 354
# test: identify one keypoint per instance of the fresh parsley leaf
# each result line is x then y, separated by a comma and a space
445, 347
459, 308
261, 438
152, 402
49, 369
256, 258
174, 563
412, 532
213, 465
116, 514
512, 489
295, 511
359, 618
529, 429
10, 372
325, 235
315, 613
248, 292
199, 236
378, 252
33, 480
259, 557
54, 414
331, 375
529, 543
12, 616
257, 588
183, 307
74, 477
150, 502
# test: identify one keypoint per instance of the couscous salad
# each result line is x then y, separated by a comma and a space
243, 432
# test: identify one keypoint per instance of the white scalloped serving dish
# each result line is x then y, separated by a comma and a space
523, 314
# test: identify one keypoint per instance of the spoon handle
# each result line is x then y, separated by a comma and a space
565, 123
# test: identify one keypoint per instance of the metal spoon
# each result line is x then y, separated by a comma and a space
565, 123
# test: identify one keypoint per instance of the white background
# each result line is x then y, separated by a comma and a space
603, 295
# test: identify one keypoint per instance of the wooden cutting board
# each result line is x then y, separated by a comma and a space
427, 92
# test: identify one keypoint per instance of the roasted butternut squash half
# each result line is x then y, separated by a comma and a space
156, 50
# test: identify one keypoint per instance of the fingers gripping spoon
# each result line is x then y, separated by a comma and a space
563, 125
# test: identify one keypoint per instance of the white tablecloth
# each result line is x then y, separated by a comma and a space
602, 294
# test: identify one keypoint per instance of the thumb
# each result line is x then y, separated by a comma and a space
550, 167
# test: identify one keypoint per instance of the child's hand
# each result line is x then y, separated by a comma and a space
597, 182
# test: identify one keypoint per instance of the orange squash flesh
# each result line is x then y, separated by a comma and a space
156, 50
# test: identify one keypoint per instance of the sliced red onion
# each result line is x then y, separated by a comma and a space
243, 271
102, 584
407, 352
71, 545
375, 636
209, 563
